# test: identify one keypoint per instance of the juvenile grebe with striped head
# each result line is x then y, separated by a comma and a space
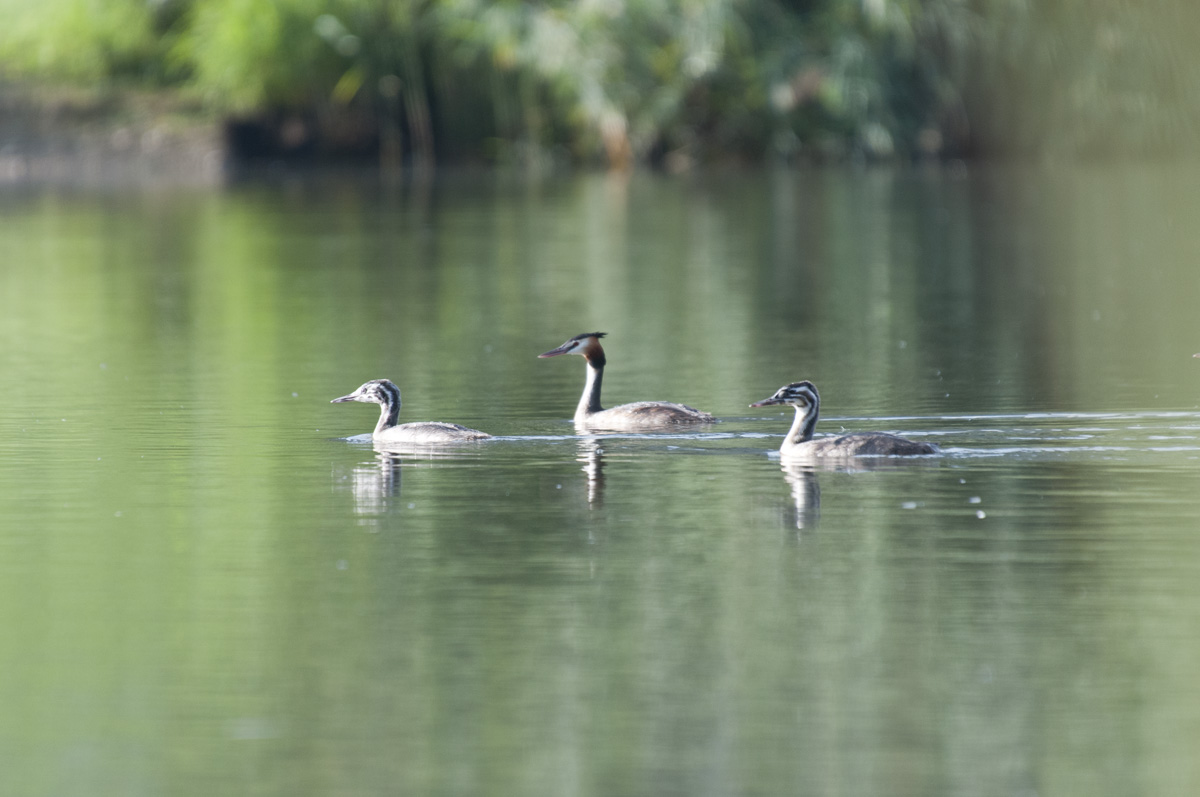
799, 442
638, 416
387, 396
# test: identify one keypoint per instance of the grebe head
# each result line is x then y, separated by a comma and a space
801, 395
377, 391
587, 344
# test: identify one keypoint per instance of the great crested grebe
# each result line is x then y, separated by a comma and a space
387, 396
627, 417
799, 443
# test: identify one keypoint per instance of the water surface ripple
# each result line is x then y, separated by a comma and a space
213, 582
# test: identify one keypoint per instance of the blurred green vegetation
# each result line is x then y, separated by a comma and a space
668, 81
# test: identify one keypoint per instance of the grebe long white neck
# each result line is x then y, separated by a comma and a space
807, 411
806, 401
799, 440
388, 429
589, 402
639, 416
389, 404
588, 346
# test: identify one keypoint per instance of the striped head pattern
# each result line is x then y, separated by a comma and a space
801, 395
377, 391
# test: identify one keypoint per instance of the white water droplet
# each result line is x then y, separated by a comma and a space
974, 500
981, 514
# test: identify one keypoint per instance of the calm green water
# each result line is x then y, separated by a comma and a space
206, 589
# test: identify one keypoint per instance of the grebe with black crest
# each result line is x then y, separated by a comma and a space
636, 417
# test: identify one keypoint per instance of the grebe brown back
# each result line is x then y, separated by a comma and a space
387, 396
639, 416
799, 442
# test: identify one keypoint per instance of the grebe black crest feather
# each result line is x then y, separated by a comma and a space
798, 391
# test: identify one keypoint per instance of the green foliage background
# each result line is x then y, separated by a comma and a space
630, 80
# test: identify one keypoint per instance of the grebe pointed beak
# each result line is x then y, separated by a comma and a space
555, 352
351, 397
770, 402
